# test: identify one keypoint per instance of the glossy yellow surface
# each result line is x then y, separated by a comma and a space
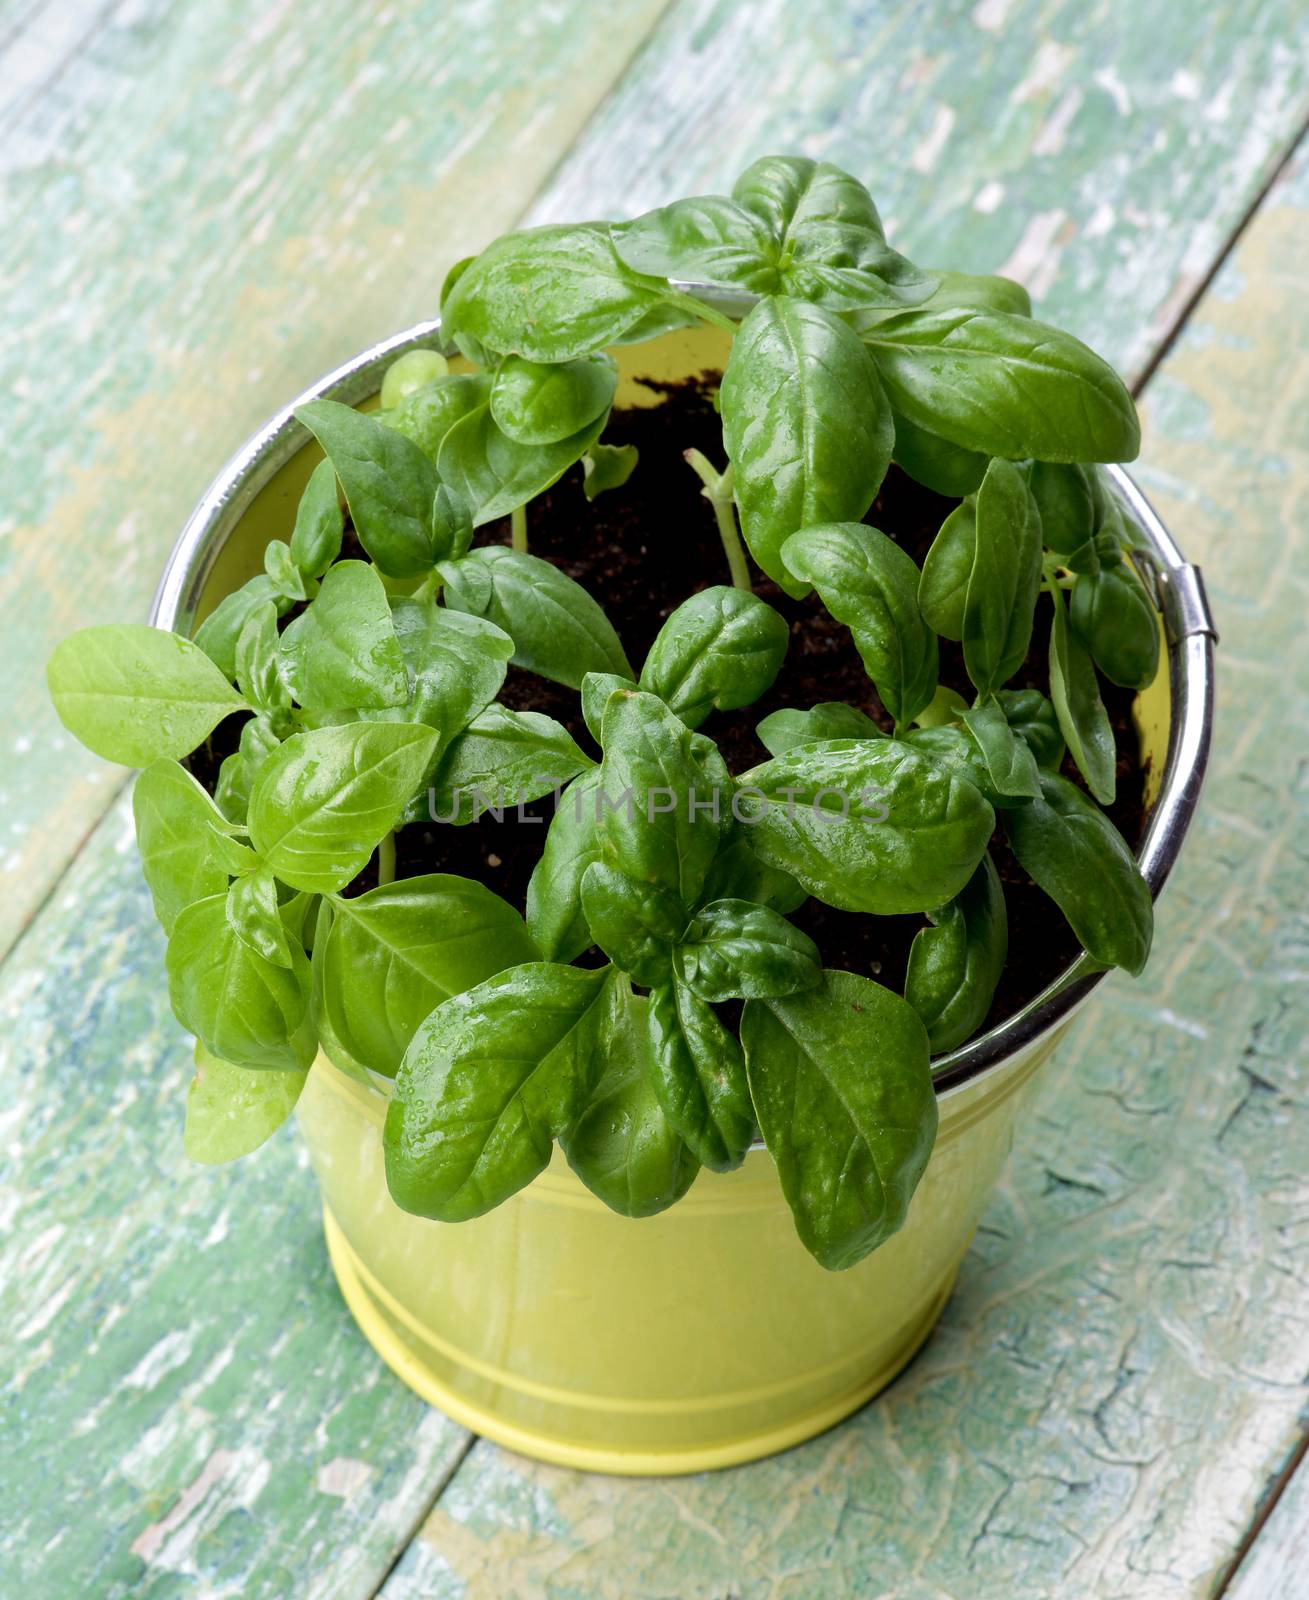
698, 1338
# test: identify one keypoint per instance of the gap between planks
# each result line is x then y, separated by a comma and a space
421, 1514
1232, 1580
1169, 336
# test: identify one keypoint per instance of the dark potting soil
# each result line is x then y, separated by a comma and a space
641, 550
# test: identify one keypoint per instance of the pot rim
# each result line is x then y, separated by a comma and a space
1178, 591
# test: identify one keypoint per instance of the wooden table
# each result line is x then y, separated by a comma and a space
211, 204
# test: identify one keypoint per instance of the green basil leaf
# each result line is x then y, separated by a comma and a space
319, 525
733, 950
238, 859
1034, 720
705, 239
232, 791
490, 1078
719, 650
844, 268
557, 628
1112, 615
806, 426
389, 485
661, 319
1110, 516
622, 1147
1064, 498
135, 694
867, 582
960, 751
1010, 765
231, 1111
555, 917
982, 291
218, 633
955, 965
280, 567
737, 873
495, 474
1004, 385
943, 467
428, 414
452, 277
781, 731
978, 292
651, 828
458, 662
550, 294
1103, 550
596, 689
824, 234
607, 466
868, 825
1079, 859
258, 669
242, 1007
396, 953
501, 760
698, 1074
1000, 605
1083, 720
535, 402
843, 1092
452, 523
790, 193
252, 914
635, 924
180, 854
325, 799
331, 1046
341, 651
407, 374
943, 587
260, 736
955, 751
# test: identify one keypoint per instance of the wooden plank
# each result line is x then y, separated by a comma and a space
1276, 1567
1120, 1377
188, 1405
210, 205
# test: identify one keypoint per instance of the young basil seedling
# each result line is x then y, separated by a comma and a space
366, 698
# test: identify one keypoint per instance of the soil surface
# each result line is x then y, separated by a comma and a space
641, 550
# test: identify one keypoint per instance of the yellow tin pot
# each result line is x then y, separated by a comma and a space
707, 1335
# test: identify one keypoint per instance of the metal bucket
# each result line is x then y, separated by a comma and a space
707, 1335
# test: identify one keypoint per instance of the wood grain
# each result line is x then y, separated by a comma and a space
1120, 1376
208, 206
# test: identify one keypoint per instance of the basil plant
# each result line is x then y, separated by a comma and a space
368, 688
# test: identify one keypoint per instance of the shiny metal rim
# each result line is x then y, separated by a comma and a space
1178, 587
